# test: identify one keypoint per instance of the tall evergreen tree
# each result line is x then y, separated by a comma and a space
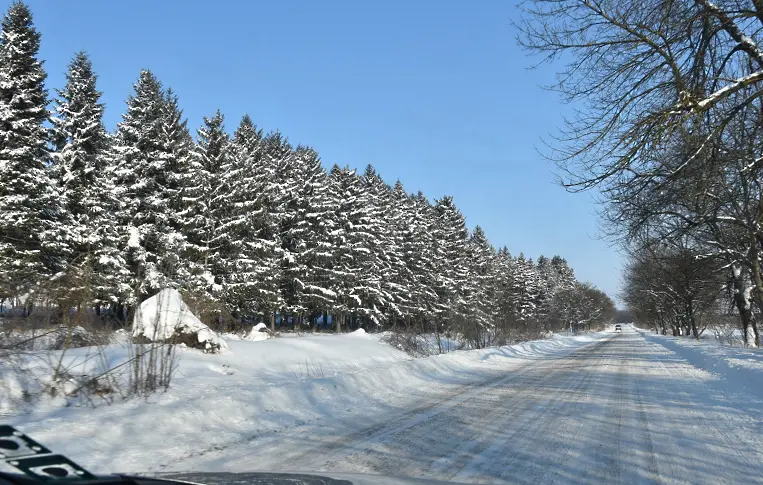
29, 235
307, 220
555, 276
481, 301
385, 242
208, 246
85, 188
357, 275
147, 241
399, 284
525, 291
175, 150
450, 236
504, 287
420, 256
249, 227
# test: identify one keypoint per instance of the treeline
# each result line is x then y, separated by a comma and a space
246, 225
676, 290
671, 134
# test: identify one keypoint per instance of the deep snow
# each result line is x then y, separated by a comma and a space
344, 382
734, 368
604, 408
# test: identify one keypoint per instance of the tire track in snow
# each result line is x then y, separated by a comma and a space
621, 410
375, 452
532, 421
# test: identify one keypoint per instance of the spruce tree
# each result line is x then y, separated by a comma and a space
357, 280
504, 293
207, 246
142, 179
249, 227
481, 303
420, 256
400, 283
174, 152
525, 291
29, 235
385, 241
450, 236
85, 188
307, 218
384, 244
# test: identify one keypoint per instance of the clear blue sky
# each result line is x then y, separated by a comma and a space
433, 92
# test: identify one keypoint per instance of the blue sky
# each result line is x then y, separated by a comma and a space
433, 92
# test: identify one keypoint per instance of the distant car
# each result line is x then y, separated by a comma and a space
618, 328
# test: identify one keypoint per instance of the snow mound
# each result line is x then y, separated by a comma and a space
165, 316
258, 332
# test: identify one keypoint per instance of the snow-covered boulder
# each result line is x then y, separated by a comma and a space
165, 316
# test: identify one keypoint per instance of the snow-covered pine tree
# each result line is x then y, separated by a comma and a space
280, 167
452, 268
142, 180
307, 217
29, 234
524, 292
385, 241
208, 247
420, 256
545, 288
81, 145
563, 275
555, 276
357, 276
400, 283
249, 227
176, 145
482, 301
506, 318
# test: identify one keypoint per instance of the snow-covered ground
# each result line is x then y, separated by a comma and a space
604, 408
255, 389
735, 368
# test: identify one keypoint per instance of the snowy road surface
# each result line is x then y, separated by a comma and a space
622, 410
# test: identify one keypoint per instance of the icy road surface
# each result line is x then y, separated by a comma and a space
621, 410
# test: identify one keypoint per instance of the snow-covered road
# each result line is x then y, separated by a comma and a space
621, 410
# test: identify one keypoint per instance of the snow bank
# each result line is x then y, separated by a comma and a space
736, 368
165, 316
330, 384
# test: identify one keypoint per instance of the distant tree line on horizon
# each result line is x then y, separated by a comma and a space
246, 225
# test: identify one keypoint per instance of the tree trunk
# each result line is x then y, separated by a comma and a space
741, 302
273, 322
758, 281
439, 342
755, 333
693, 324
